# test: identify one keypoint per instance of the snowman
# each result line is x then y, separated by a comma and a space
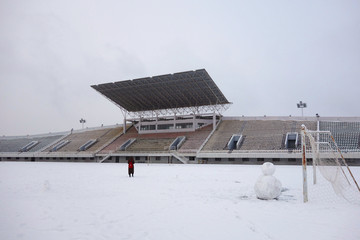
267, 186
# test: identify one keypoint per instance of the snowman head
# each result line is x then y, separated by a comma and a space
268, 169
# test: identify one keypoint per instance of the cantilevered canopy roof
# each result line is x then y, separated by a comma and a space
172, 91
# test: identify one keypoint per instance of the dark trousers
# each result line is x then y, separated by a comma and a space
131, 171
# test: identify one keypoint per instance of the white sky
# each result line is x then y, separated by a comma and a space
265, 56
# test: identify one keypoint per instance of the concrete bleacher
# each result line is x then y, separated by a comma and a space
150, 145
110, 135
194, 140
14, 144
159, 141
112, 147
257, 134
77, 139
223, 133
266, 135
262, 140
346, 134
146, 142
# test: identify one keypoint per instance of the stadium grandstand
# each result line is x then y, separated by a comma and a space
178, 118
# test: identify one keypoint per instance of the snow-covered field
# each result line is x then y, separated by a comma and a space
50, 201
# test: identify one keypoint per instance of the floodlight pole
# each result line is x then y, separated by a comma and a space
302, 106
82, 121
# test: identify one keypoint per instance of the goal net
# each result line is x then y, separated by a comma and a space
335, 175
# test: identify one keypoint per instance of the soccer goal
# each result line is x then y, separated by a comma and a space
335, 174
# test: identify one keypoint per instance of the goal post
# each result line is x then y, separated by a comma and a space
321, 147
304, 163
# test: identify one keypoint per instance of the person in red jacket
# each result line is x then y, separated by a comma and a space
131, 166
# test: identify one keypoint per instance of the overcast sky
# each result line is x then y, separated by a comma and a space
265, 56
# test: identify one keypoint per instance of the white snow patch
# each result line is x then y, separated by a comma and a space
99, 201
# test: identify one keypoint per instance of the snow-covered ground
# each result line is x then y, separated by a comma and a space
64, 201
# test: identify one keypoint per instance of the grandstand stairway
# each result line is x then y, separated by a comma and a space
181, 158
105, 158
